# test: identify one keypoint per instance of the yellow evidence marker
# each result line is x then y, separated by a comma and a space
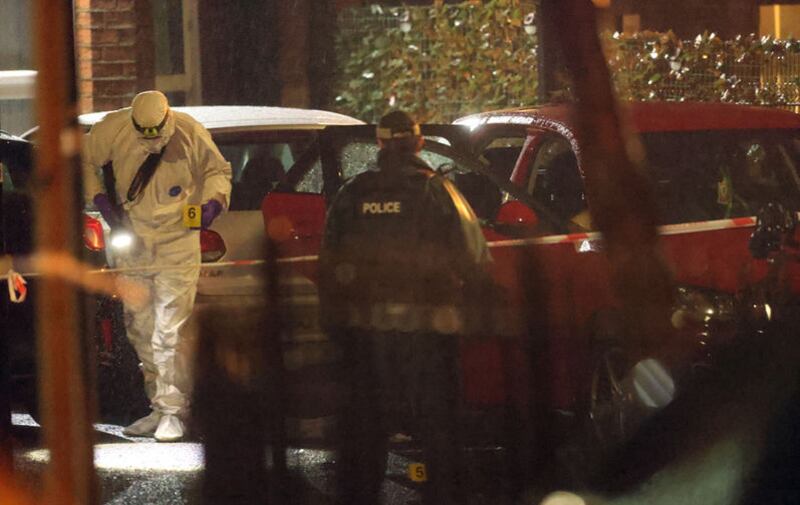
417, 472
192, 216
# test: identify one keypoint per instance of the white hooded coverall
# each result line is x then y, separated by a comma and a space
191, 171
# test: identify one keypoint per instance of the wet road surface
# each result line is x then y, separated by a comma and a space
134, 470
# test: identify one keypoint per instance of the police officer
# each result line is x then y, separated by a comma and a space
402, 250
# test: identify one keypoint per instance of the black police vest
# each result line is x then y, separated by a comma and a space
391, 249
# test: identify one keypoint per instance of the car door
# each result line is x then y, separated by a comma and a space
16, 237
16, 166
296, 215
349, 150
297, 220
574, 269
260, 161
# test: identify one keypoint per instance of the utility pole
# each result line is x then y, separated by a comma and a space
70, 477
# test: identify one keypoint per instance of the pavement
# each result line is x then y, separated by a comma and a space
137, 470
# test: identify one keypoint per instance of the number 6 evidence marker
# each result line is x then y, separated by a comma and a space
192, 217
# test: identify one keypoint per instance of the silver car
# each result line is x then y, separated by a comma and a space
263, 145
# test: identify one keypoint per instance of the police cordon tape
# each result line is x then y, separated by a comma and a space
669, 229
17, 287
75, 272
155, 268
64, 266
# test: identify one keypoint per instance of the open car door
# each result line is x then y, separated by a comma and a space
16, 166
16, 234
294, 215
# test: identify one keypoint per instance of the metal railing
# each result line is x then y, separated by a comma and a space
767, 80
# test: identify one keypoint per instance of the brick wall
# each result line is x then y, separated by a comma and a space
114, 51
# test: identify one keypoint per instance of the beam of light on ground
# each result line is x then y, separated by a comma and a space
147, 457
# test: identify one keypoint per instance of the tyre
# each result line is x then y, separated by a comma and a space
120, 385
608, 409
602, 418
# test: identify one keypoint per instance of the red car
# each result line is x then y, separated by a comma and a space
713, 166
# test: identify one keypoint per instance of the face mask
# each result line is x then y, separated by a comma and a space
154, 139
152, 145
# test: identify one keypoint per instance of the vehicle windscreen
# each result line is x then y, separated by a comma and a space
709, 175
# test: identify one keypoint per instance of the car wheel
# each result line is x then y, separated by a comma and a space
120, 386
609, 405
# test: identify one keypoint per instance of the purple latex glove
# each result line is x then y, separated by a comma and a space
209, 212
103, 204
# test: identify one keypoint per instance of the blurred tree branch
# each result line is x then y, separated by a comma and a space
622, 203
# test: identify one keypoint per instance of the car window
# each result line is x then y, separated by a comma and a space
258, 167
357, 157
480, 192
440, 162
312, 181
555, 182
722, 174
16, 162
502, 154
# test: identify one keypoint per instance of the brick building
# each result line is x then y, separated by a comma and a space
207, 51
203, 51
279, 51
115, 53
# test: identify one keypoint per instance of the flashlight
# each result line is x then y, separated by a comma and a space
121, 239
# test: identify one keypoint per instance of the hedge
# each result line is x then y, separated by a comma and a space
748, 69
435, 61
443, 61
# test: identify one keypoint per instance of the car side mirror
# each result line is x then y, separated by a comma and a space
516, 219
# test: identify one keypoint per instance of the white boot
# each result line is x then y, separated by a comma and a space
143, 427
170, 429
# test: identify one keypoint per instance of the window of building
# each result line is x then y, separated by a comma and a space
177, 50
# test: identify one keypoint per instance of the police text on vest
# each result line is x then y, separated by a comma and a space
380, 208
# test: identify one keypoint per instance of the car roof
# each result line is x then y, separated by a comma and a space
646, 117
248, 117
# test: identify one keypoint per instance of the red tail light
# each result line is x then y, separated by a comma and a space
93, 233
212, 247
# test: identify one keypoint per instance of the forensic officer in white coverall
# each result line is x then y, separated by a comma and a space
161, 160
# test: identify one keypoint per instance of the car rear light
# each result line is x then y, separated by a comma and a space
107, 330
93, 233
212, 247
